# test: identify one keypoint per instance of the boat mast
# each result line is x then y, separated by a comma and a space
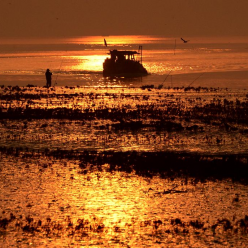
141, 55
140, 49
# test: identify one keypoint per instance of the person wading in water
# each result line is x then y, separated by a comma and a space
48, 78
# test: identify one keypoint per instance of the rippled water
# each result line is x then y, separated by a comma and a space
60, 188
158, 161
107, 133
126, 205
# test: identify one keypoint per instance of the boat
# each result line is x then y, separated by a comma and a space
124, 64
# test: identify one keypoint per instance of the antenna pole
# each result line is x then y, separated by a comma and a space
141, 54
196, 79
175, 46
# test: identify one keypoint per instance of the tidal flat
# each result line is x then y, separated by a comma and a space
123, 167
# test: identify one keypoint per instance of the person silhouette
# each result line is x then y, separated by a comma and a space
48, 78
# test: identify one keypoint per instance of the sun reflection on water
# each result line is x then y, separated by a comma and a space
114, 208
85, 63
59, 176
93, 61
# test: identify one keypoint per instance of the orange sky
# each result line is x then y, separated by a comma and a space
174, 18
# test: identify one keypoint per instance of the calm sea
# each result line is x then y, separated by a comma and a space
212, 62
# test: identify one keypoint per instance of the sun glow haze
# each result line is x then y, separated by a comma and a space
117, 40
90, 61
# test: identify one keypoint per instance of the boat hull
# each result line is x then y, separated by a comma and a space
125, 68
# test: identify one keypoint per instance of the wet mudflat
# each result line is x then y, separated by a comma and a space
123, 167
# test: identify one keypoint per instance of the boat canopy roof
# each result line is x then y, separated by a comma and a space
123, 53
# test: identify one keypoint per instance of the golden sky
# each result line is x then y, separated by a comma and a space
65, 18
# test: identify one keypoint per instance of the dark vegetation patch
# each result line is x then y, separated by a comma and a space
202, 167
84, 227
172, 164
188, 110
23, 103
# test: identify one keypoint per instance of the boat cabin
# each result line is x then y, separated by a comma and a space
123, 63
122, 55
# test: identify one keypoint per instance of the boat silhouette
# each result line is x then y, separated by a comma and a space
123, 63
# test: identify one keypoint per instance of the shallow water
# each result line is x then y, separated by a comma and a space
124, 205
143, 110
70, 176
158, 161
